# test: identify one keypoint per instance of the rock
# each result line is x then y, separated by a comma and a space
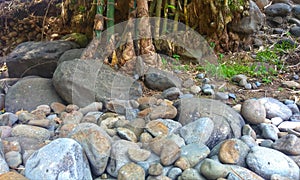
285, 125
191, 174
73, 117
2, 101
221, 96
170, 152
36, 58
276, 121
96, 144
151, 160
13, 159
57, 107
262, 3
119, 157
278, 9
264, 162
295, 117
198, 131
8, 119
131, 171
296, 11
253, 111
195, 89
291, 84
84, 82
227, 122
275, 108
38, 133
12, 175
233, 151
237, 171
138, 155
295, 31
173, 126
71, 107
157, 128
289, 144
188, 83
269, 131
161, 80
155, 169
200, 75
67, 160
171, 93
126, 134
208, 91
213, 170
70, 55
95, 106
249, 24
28, 93
248, 130
278, 31
194, 153
5, 131
164, 112
174, 172
66, 129
248, 86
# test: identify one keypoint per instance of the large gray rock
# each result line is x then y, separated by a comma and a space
227, 122
61, 159
249, 24
82, 82
278, 9
96, 144
266, 162
36, 58
275, 108
70, 55
161, 80
29, 93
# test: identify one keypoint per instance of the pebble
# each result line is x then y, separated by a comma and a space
170, 152
131, 171
208, 91
195, 89
275, 108
191, 173
289, 144
264, 162
12, 175
248, 86
276, 121
295, 31
294, 108
13, 159
138, 155
155, 169
93, 107
164, 112
200, 75
8, 119
291, 84
221, 96
126, 134
174, 172
171, 93
296, 77
231, 95
157, 128
29, 131
212, 169
295, 117
73, 117
285, 125
278, 9
194, 153
206, 80
253, 111
58, 107
186, 96
269, 131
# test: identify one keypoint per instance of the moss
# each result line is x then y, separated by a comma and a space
78, 38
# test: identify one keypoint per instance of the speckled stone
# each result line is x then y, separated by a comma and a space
289, 144
170, 152
131, 171
157, 128
136, 154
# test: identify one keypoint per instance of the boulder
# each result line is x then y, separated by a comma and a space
227, 122
29, 93
36, 58
82, 82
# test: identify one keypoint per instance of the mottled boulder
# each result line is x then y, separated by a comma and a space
82, 82
36, 58
96, 144
61, 159
28, 93
227, 122
70, 55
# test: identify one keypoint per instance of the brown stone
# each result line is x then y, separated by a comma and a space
182, 163
157, 143
170, 153
131, 171
126, 134
228, 152
164, 112
45, 123
138, 155
149, 100
144, 112
11, 146
289, 144
12, 176
58, 107
157, 128
66, 129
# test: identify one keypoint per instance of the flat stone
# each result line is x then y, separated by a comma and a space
278, 9
289, 144
194, 153
137, 155
253, 111
237, 171
95, 106
73, 117
31, 132
126, 134
45, 123
164, 112
96, 144
191, 174
157, 128
264, 162
213, 170
170, 152
285, 125
67, 160
269, 131
291, 84
57, 107
131, 171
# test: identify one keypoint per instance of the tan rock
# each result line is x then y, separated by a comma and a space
182, 163
12, 176
170, 153
58, 107
157, 128
131, 171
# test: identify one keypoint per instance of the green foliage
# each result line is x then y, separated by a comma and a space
235, 5
81, 9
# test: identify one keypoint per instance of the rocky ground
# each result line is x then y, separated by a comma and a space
84, 120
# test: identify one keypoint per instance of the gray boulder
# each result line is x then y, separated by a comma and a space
36, 58
29, 93
278, 9
61, 159
82, 82
227, 122
70, 55
275, 108
249, 24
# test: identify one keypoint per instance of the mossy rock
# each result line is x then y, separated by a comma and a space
78, 38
